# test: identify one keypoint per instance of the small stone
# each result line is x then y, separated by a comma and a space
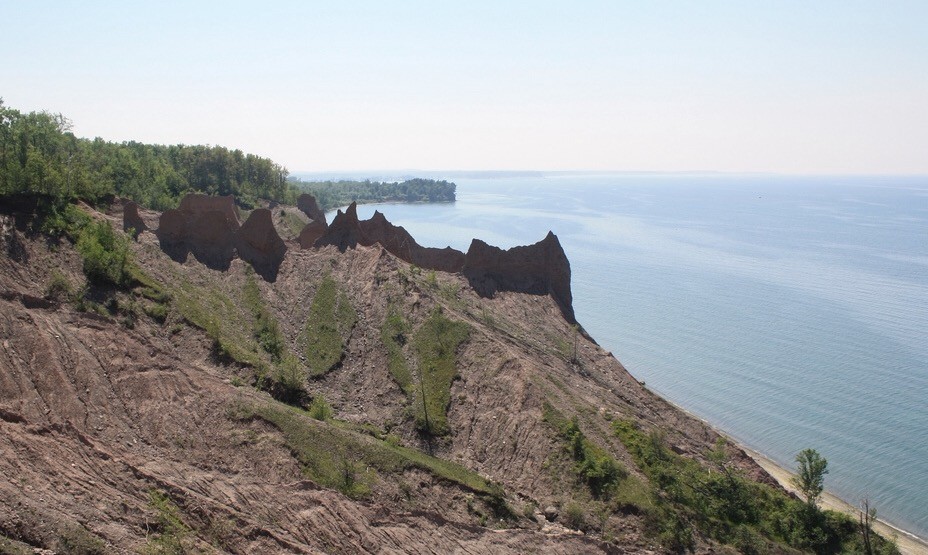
551, 513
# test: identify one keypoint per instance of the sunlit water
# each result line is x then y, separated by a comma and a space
789, 312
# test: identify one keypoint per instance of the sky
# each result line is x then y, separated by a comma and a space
804, 87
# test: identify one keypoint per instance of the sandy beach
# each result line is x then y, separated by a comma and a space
909, 544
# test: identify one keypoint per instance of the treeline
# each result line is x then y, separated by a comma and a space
39, 155
333, 194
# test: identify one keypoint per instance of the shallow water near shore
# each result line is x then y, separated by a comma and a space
789, 312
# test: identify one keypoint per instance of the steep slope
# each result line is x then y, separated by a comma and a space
149, 417
96, 416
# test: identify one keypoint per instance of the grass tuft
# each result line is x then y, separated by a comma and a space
171, 535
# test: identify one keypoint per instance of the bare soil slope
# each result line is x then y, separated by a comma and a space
113, 416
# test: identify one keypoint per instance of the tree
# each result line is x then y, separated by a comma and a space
811, 477
867, 517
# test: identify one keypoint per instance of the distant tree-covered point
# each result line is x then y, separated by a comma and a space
333, 194
39, 155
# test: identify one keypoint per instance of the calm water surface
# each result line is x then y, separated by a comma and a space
790, 312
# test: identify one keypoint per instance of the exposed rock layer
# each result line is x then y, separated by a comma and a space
131, 218
311, 233
202, 225
308, 205
208, 227
399, 242
345, 231
258, 243
539, 269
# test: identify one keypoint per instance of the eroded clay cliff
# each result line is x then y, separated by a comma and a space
400, 243
258, 243
208, 228
131, 219
308, 205
114, 413
202, 225
311, 233
539, 269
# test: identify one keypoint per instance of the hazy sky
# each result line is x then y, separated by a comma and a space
798, 87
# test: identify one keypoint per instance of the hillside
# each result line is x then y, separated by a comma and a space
331, 397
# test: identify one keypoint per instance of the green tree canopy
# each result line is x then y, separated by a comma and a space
39, 155
810, 479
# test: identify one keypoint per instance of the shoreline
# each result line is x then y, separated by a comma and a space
907, 542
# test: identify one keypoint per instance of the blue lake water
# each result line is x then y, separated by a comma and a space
789, 312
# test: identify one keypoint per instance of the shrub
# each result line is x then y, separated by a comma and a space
320, 409
722, 504
574, 516
393, 335
59, 288
76, 540
266, 331
172, 533
62, 217
105, 255
157, 312
593, 465
289, 376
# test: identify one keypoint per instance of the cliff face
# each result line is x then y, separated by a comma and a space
311, 233
539, 269
131, 219
347, 232
258, 243
308, 205
203, 226
400, 243
208, 228
344, 232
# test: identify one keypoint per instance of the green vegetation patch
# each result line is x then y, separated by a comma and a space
172, 535
393, 334
436, 343
39, 155
605, 477
211, 310
59, 216
265, 329
105, 254
719, 502
292, 222
245, 331
325, 335
108, 264
288, 375
336, 456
